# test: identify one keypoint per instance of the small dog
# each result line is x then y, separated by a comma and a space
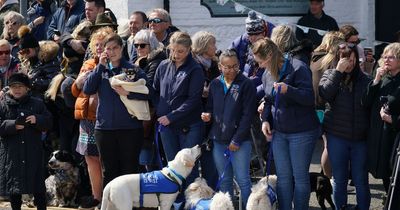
145, 190
263, 195
200, 196
62, 186
321, 185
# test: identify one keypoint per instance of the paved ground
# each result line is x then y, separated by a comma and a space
377, 190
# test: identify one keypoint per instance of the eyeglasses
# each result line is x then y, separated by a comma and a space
348, 44
156, 20
137, 46
356, 42
6, 52
11, 23
226, 67
391, 57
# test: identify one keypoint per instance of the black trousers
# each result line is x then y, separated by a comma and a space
40, 201
119, 152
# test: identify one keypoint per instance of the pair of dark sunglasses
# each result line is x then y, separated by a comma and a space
156, 20
7, 52
140, 45
347, 44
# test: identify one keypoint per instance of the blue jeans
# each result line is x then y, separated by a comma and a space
343, 153
292, 154
173, 141
239, 167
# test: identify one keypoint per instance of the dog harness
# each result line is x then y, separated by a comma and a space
158, 182
202, 204
271, 194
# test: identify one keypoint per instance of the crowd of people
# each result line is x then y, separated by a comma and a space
291, 87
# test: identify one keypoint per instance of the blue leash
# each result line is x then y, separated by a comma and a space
159, 128
227, 154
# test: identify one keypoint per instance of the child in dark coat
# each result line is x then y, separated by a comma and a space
22, 120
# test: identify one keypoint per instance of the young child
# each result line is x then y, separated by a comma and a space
22, 120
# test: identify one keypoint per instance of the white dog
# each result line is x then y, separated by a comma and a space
263, 197
128, 191
200, 196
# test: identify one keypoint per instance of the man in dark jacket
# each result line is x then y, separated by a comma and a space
65, 19
316, 18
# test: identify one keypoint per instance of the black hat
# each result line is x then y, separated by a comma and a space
26, 39
103, 20
19, 78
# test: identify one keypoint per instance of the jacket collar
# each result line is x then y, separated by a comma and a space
10, 100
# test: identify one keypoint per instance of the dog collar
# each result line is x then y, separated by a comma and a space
176, 174
271, 194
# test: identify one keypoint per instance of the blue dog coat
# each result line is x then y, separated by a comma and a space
271, 195
203, 204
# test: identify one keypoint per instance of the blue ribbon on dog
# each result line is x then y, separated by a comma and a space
227, 154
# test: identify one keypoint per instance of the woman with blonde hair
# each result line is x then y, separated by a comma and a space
290, 122
12, 22
179, 83
85, 111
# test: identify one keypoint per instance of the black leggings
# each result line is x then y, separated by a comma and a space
40, 201
119, 152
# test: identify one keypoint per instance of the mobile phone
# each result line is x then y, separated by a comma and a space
110, 67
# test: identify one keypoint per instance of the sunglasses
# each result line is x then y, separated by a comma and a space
11, 23
140, 45
7, 52
344, 45
156, 20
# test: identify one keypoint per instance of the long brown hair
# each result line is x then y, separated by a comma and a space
265, 48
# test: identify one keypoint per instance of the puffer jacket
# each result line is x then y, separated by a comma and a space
85, 105
345, 116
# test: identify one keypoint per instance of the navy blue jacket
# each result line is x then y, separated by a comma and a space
60, 21
179, 92
111, 112
296, 112
233, 112
36, 10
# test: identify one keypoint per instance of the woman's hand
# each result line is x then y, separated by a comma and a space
282, 85
343, 64
233, 147
380, 72
260, 108
120, 90
266, 129
31, 119
206, 117
103, 59
385, 117
163, 120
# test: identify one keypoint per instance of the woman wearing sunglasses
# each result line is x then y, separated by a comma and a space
150, 53
346, 125
8, 63
383, 97
12, 22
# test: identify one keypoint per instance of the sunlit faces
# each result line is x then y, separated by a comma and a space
179, 53
229, 67
91, 11
135, 23
211, 48
353, 40
12, 27
263, 63
18, 90
391, 62
255, 37
143, 49
5, 55
157, 26
99, 44
114, 51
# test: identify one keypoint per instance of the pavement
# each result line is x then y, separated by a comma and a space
377, 190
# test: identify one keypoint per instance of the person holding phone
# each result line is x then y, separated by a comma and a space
383, 114
346, 126
23, 118
119, 136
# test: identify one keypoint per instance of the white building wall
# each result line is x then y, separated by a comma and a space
190, 16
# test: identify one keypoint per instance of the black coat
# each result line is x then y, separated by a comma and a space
381, 135
21, 152
345, 116
41, 76
150, 64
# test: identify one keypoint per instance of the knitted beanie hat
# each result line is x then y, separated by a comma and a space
254, 23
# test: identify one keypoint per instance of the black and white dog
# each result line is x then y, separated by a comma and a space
62, 186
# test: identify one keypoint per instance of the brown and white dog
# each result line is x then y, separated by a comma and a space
126, 192
200, 196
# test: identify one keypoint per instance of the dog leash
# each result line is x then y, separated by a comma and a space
227, 154
159, 129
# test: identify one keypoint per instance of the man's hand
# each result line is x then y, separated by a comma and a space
56, 38
19, 127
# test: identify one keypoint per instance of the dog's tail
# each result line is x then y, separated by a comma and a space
221, 201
